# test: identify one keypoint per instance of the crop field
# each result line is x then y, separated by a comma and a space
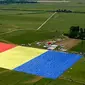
19, 24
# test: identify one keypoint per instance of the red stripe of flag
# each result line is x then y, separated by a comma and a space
5, 46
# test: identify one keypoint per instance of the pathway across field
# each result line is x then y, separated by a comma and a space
46, 21
26, 29
12, 31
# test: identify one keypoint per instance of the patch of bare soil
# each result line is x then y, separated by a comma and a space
69, 43
34, 80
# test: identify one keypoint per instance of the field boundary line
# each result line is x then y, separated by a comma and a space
71, 80
46, 21
5, 71
8, 32
3, 40
12, 31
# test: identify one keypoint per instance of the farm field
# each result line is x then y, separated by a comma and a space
19, 24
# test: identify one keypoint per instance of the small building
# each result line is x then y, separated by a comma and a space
52, 47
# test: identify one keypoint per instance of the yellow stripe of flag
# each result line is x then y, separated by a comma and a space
17, 56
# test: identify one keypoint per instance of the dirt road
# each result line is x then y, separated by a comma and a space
69, 43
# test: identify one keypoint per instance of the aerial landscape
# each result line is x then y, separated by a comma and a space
42, 42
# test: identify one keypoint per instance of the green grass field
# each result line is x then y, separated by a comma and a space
25, 36
19, 23
17, 26
80, 47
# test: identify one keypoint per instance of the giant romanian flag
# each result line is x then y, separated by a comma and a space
49, 64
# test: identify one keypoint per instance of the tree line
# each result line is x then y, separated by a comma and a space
76, 32
61, 10
66, 11
17, 1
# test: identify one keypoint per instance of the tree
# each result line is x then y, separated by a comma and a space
81, 33
74, 32
77, 32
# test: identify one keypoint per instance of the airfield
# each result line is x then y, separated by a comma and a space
27, 23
